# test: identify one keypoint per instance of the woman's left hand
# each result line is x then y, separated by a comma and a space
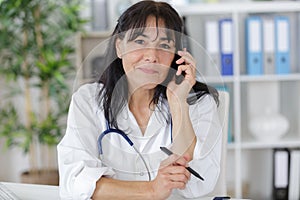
187, 66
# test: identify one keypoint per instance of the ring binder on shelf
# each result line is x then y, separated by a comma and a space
281, 165
269, 45
226, 46
282, 42
294, 182
212, 61
254, 52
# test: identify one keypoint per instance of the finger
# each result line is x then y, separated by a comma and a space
177, 185
169, 161
187, 157
179, 178
182, 161
178, 169
185, 57
181, 60
188, 69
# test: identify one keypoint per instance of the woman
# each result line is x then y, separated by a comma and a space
139, 97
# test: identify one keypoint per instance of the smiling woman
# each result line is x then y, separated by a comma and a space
116, 126
147, 57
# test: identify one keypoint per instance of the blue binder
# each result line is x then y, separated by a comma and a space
226, 46
254, 53
282, 45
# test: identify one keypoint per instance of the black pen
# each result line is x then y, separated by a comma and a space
168, 152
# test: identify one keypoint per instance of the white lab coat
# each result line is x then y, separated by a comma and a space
80, 165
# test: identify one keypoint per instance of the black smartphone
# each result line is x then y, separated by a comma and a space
179, 78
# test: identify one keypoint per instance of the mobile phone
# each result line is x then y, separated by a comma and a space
179, 78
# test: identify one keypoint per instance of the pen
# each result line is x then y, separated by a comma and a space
168, 152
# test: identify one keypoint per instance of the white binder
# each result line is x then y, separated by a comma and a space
269, 45
212, 60
281, 174
294, 184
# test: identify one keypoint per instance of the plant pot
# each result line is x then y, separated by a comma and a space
42, 176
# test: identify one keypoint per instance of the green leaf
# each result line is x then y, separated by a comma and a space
45, 64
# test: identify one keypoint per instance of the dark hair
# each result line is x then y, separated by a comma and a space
114, 93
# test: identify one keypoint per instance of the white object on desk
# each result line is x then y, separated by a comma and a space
33, 191
6, 194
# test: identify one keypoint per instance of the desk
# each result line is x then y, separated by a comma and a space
33, 191
47, 192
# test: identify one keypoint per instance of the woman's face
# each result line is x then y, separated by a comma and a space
147, 58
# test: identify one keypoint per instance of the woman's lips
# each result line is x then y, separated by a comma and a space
148, 70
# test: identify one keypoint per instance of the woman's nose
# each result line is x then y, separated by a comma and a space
150, 54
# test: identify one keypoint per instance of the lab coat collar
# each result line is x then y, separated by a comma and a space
158, 120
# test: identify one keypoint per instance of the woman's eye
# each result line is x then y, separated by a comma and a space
139, 41
165, 46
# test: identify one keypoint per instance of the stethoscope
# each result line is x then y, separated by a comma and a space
129, 141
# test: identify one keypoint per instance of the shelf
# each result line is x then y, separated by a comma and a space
231, 146
267, 78
283, 143
251, 78
252, 144
236, 7
217, 79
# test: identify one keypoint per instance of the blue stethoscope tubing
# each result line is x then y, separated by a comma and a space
129, 141
112, 130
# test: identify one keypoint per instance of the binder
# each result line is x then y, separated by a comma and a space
294, 182
212, 60
254, 54
226, 46
282, 44
269, 45
281, 166
230, 136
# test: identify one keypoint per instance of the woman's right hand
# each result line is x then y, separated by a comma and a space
172, 174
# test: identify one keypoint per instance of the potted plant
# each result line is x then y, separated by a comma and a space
36, 49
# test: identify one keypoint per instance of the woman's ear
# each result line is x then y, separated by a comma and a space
118, 48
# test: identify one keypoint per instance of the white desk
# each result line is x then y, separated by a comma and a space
33, 191
47, 192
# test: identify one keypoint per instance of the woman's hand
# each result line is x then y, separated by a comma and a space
187, 66
172, 174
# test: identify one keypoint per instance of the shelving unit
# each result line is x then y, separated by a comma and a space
250, 160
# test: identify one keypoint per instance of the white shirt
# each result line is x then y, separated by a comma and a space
80, 165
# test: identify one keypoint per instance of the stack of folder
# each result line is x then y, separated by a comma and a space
219, 45
267, 45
